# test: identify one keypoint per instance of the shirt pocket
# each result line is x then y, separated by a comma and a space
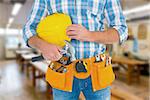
95, 7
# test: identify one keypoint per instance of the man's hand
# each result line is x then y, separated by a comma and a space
79, 32
49, 51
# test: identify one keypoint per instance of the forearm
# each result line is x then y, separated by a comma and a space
35, 42
109, 36
49, 51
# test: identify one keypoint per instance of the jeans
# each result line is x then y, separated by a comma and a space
85, 86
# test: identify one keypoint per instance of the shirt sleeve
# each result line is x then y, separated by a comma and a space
38, 12
116, 19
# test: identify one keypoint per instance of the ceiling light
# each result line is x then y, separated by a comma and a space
11, 19
16, 9
137, 9
7, 26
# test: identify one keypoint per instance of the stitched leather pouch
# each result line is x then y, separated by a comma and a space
102, 76
62, 81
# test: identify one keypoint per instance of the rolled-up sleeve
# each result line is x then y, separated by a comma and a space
116, 19
38, 11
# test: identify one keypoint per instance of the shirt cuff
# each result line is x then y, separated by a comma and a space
123, 34
27, 40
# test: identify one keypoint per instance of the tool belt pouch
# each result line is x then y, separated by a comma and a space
102, 75
61, 81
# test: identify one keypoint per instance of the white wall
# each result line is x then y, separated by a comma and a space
7, 48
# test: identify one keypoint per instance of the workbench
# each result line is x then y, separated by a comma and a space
25, 59
131, 65
19, 53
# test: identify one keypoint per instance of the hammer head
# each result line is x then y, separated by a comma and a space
71, 50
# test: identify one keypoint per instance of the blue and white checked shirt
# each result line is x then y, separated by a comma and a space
89, 13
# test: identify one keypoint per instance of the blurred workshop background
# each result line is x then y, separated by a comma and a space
21, 79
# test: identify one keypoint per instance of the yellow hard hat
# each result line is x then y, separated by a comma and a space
53, 29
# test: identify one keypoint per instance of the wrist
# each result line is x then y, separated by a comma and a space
36, 42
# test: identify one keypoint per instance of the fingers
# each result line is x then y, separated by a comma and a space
56, 57
72, 33
74, 37
73, 27
51, 52
59, 48
53, 57
77, 38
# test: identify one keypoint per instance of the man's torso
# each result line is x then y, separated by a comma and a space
89, 13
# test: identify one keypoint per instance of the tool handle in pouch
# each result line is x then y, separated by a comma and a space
38, 58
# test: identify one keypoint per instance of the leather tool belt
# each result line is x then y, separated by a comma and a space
101, 73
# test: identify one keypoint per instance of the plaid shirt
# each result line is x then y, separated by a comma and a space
90, 13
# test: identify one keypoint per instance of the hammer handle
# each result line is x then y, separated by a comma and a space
38, 58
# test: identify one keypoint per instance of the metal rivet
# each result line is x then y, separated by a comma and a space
86, 84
